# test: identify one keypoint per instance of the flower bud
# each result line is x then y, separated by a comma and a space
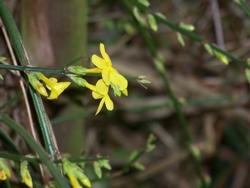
5, 171
77, 70
25, 174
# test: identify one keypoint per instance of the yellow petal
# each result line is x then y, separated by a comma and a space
57, 89
119, 80
41, 89
93, 70
98, 61
74, 182
100, 106
101, 87
89, 86
106, 76
96, 95
25, 174
109, 103
2, 175
125, 92
53, 80
105, 55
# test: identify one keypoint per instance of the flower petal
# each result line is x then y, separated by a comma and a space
105, 55
53, 80
57, 89
73, 181
117, 79
93, 70
101, 87
41, 89
106, 76
109, 103
125, 92
98, 61
96, 95
100, 106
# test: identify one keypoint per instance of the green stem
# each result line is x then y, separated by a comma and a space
159, 65
16, 42
195, 37
33, 69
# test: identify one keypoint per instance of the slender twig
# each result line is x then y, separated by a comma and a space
36, 159
159, 65
217, 23
197, 38
33, 69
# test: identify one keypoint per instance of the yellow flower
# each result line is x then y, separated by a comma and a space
25, 174
55, 87
73, 181
75, 174
2, 175
5, 171
109, 74
36, 84
100, 91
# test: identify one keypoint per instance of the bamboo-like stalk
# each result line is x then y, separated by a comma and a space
22, 57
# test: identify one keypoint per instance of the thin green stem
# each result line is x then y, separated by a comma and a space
33, 69
34, 159
159, 65
195, 37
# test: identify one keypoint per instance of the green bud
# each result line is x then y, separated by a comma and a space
5, 171
196, 152
77, 80
138, 16
77, 70
25, 174
36, 84
152, 22
181, 39
187, 27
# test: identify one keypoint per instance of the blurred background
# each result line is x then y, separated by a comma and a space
215, 97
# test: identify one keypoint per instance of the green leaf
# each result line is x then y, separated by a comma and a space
8, 141
97, 169
152, 22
